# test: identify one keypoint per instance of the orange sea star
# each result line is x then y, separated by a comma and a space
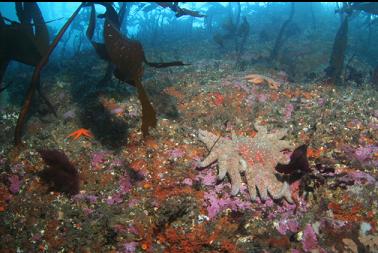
81, 132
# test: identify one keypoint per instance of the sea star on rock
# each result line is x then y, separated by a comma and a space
257, 157
225, 152
81, 132
260, 79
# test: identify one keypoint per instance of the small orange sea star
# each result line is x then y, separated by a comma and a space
81, 132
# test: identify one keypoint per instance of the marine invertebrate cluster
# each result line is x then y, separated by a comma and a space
256, 156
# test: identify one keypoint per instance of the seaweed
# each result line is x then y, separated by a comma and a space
243, 32
374, 78
180, 11
127, 56
368, 7
35, 81
110, 68
20, 43
18, 40
336, 62
281, 35
60, 173
298, 162
236, 31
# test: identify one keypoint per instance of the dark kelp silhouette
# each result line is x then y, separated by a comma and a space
24, 41
368, 7
180, 11
235, 31
281, 35
127, 56
110, 68
147, 7
336, 61
18, 40
35, 81
374, 78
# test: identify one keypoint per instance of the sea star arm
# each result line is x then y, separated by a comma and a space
262, 182
231, 165
283, 159
283, 144
223, 166
284, 192
74, 135
277, 190
251, 184
212, 157
243, 165
278, 134
265, 181
261, 130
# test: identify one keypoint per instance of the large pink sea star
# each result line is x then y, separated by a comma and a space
257, 157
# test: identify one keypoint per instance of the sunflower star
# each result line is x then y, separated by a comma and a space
225, 152
257, 157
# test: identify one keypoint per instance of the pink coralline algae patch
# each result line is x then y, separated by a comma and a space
176, 153
250, 100
91, 198
286, 211
359, 177
117, 162
309, 242
207, 177
124, 188
262, 98
288, 225
216, 204
218, 198
125, 184
132, 229
114, 199
119, 228
98, 159
87, 211
130, 247
15, 184
321, 101
133, 202
365, 155
295, 251
187, 181
105, 159
288, 111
